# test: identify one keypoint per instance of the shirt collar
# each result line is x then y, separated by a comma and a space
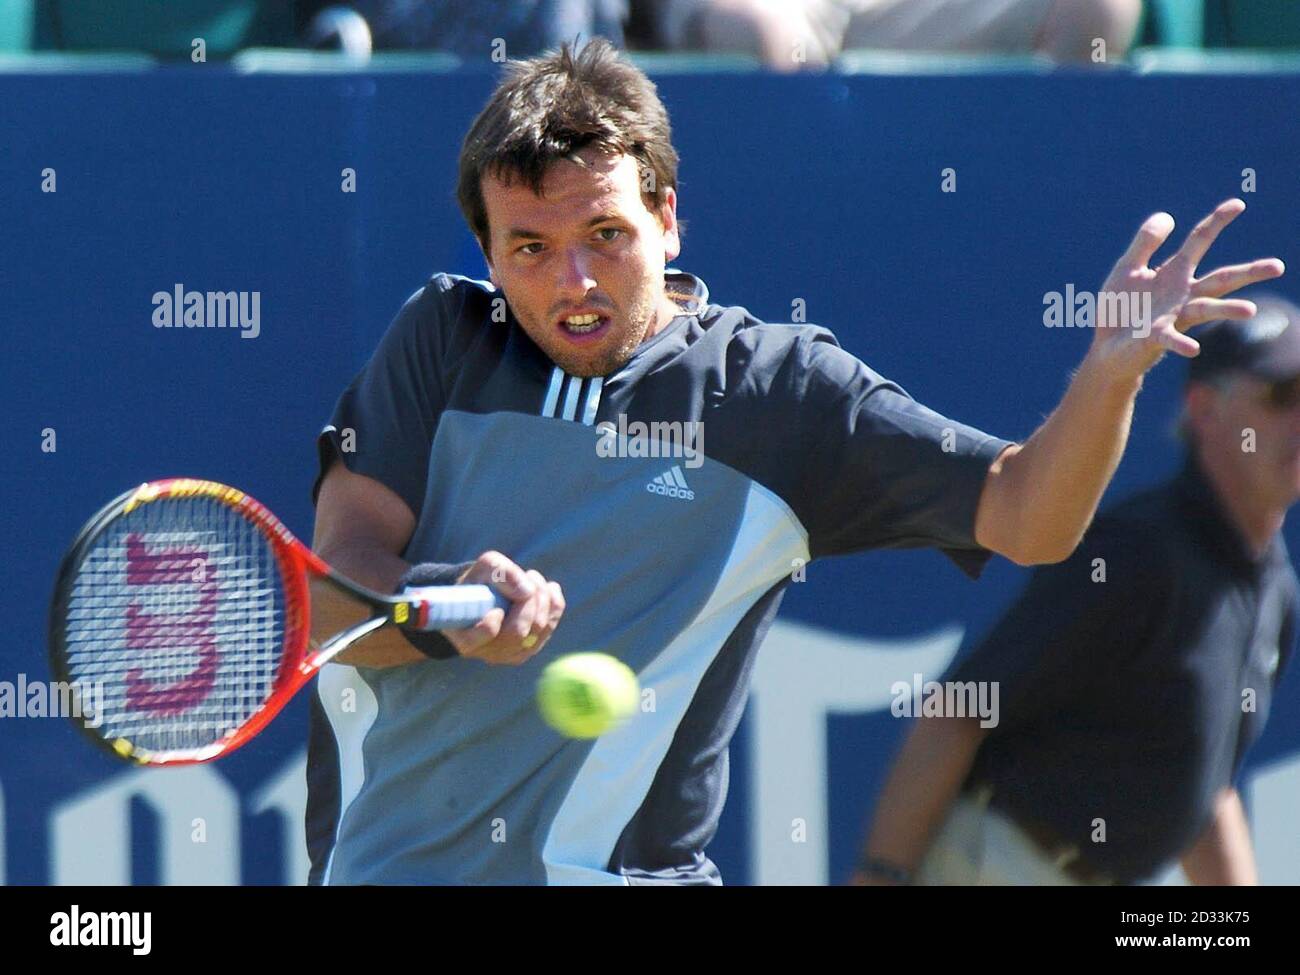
683, 282
692, 306
1212, 520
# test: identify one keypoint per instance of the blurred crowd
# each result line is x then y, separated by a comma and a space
783, 34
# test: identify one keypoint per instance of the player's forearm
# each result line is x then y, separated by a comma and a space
921, 787
1041, 497
333, 611
1223, 854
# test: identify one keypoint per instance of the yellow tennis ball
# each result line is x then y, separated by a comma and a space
584, 695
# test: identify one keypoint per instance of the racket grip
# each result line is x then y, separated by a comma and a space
449, 607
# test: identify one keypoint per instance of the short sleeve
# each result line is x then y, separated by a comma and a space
1076, 621
383, 424
884, 471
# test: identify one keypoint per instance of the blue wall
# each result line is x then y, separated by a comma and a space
821, 188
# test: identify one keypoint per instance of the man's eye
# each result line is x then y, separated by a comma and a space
525, 250
614, 231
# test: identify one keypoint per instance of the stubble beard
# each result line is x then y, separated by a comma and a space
640, 314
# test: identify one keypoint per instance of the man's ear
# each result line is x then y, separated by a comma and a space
668, 220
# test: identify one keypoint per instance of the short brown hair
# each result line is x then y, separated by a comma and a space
551, 107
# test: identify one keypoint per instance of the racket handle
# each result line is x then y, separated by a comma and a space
449, 607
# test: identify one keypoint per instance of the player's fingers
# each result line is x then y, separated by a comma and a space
1198, 311
1175, 341
1204, 233
541, 610
506, 636
550, 608
523, 656
1155, 230
471, 641
502, 574
519, 621
557, 606
1234, 277
512, 655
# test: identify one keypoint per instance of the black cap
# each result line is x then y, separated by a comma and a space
1266, 345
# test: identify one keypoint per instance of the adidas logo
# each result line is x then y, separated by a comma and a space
671, 484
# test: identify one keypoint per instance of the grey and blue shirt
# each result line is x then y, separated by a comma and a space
674, 561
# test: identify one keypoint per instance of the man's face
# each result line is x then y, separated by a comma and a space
1252, 413
587, 246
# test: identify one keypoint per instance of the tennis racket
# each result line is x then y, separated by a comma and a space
181, 621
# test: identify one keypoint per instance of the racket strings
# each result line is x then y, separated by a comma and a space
175, 622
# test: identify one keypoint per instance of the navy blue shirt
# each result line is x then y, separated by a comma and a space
442, 771
1134, 698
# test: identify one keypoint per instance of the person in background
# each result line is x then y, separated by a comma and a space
471, 29
1133, 677
793, 34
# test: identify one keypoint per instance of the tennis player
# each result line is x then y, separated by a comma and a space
482, 443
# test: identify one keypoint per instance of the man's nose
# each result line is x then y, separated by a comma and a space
575, 274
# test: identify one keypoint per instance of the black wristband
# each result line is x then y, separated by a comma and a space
431, 643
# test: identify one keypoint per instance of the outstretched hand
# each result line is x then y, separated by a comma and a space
1179, 300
